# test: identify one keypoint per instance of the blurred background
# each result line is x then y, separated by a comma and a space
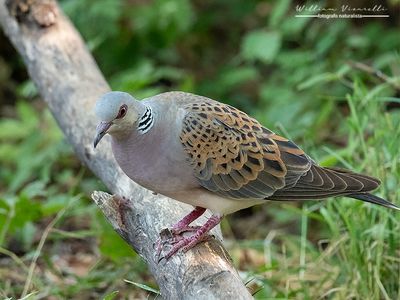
333, 86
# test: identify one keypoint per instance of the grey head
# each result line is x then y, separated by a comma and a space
118, 112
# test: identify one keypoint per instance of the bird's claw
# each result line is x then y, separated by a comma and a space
184, 244
175, 240
167, 237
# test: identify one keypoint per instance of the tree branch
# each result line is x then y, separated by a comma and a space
69, 81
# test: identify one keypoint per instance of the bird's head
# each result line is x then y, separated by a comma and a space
117, 112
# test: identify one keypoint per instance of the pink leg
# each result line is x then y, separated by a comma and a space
191, 241
183, 224
180, 227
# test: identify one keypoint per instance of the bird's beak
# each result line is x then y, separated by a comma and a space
101, 130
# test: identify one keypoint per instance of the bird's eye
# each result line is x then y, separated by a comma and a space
122, 111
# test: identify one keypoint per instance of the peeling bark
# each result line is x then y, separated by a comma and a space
69, 80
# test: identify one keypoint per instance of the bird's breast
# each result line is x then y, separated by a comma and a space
154, 163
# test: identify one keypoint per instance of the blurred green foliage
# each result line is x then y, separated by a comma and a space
256, 55
298, 76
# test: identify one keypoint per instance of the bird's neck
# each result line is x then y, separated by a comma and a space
146, 121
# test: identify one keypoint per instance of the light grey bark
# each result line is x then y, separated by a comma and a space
69, 81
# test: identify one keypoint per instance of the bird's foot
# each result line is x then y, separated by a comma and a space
184, 244
178, 231
172, 236
177, 241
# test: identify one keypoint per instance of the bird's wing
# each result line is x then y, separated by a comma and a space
233, 155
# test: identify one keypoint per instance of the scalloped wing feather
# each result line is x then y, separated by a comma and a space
234, 156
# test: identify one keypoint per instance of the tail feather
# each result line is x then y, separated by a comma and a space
367, 197
319, 183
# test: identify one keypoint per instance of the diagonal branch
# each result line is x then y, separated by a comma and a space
69, 81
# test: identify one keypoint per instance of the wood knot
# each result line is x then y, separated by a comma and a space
40, 12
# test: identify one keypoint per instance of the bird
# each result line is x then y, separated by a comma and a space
213, 156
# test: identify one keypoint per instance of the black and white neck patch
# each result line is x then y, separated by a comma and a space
146, 121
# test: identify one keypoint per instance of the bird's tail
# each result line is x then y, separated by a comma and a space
320, 182
367, 197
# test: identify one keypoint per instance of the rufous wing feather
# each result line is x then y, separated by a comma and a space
233, 155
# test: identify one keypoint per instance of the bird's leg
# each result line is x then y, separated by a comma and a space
178, 228
183, 225
189, 242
